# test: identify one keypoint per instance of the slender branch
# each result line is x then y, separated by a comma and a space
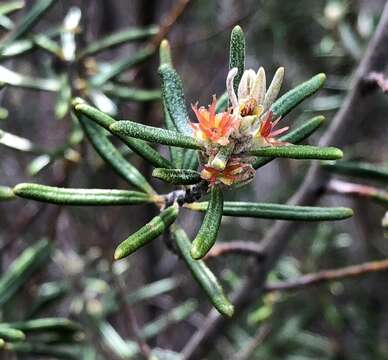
329, 275
236, 247
377, 80
360, 190
277, 239
144, 348
261, 335
169, 20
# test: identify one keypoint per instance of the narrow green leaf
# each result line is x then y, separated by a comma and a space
292, 98
177, 176
138, 146
6, 23
18, 143
147, 233
113, 157
165, 53
48, 293
173, 95
55, 324
48, 44
123, 36
11, 6
152, 290
131, 94
12, 78
62, 104
176, 154
17, 47
202, 274
113, 341
28, 21
37, 349
190, 160
174, 316
21, 269
237, 54
299, 152
221, 159
67, 196
295, 136
10, 334
153, 134
120, 66
6, 193
278, 211
358, 169
208, 232
222, 103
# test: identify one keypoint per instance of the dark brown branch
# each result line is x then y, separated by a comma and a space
359, 190
258, 339
329, 275
277, 239
169, 20
377, 80
236, 247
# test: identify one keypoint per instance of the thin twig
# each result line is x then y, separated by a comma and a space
324, 276
276, 240
169, 20
377, 80
359, 190
144, 349
248, 350
236, 247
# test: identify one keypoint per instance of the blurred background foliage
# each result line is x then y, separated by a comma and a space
76, 279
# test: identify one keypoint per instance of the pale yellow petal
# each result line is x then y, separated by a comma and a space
260, 86
274, 88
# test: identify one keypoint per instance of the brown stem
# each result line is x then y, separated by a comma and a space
236, 247
329, 275
169, 20
144, 349
276, 240
261, 335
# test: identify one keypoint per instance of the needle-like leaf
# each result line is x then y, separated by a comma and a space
237, 54
295, 136
208, 232
358, 169
147, 233
299, 152
202, 274
177, 176
68, 196
118, 38
153, 134
278, 211
292, 98
113, 157
173, 95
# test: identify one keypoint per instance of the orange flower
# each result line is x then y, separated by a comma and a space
212, 127
235, 172
266, 132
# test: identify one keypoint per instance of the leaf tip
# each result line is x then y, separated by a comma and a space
195, 253
224, 306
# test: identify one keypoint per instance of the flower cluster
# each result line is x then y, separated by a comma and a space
248, 123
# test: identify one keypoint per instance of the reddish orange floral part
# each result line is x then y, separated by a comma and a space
267, 132
235, 172
212, 127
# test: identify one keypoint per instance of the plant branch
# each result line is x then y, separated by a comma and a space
324, 276
277, 239
236, 247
